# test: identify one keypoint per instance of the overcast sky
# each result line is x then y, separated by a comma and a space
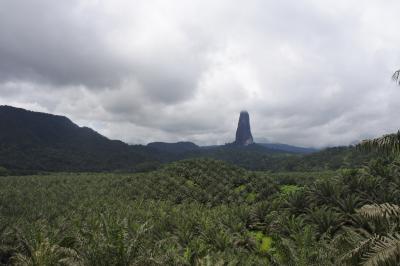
310, 72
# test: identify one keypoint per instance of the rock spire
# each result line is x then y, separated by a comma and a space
243, 132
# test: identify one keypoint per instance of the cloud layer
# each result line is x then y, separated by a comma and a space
310, 73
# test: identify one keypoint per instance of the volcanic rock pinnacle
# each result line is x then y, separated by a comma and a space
243, 132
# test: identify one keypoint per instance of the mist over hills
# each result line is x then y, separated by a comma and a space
289, 148
45, 142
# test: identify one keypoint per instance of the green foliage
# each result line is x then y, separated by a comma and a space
186, 213
256, 157
251, 197
38, 249
289, 189
264, 243
202, 212
303, 249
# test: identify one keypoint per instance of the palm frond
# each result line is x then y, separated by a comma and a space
396, 76
386, 251
376, 211
361, 248
388, 144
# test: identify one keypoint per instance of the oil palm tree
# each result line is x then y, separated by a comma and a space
301, 248
373, 248
296, 202
112, 240
388, 144
40, 250
378, 249
325, 191
326, 220
396, 76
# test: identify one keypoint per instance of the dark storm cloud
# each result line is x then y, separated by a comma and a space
309, 72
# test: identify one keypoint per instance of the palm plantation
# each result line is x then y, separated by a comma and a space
381, 244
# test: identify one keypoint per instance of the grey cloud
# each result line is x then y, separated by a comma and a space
63, 44
310, 73
49, 42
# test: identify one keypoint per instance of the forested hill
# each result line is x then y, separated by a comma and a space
257, 157
39, 141
33, 141
174, 148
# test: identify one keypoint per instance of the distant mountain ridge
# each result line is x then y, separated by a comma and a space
176, 148
34, 141
185, 146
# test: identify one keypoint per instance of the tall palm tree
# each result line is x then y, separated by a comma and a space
42, 251
301, 248
388, 144
396, 76
377, 248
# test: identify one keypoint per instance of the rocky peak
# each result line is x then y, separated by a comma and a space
243, 132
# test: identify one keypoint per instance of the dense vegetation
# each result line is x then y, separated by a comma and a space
202, 212
255, 157
31, 141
